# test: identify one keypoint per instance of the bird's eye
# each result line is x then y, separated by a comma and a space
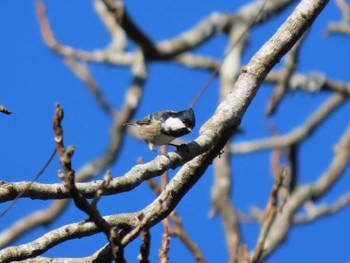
148, 121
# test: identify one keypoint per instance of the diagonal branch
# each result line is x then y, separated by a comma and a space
323, 210
68, 178
297, 134
270, 216
285, 75
121, 16
306, 192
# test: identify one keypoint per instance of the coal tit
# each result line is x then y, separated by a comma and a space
162, 127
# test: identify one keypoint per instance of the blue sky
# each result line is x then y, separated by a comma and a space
33, 79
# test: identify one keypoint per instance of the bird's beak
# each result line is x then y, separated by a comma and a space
190, 130
129, 124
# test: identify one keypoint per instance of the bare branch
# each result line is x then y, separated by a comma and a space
178, 229
133, 178
106, 181
315, 212
221, 189
29, 185
198, 62
133, 96
216, 23
343, 26
270, 215
285, 75
164, 250
312, 82
68, 178
297, 134
119, 40
102, 255
121, 16
344, 7
219, 23
307, 192
41, 217
169, 201
59, 235
106, 56
145, 247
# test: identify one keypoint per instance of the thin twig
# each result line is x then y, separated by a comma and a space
177, 229
164, 250
285, 74
305, 193
29, 185
230, 49
342, 27
118, 36
106, 181
271, 213
145, 246
68, 178
299, 133
322, 210
42, 217
104, 55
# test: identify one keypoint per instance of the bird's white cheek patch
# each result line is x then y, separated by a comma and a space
172, 124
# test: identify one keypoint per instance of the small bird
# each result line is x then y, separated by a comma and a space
162, 127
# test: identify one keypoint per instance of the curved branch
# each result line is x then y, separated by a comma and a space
59, 235
41, 217
106, 56
198, 35
294, 136
323, 210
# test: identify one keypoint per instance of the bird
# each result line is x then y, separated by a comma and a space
162, 127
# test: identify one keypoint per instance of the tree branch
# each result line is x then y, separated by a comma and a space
297, 134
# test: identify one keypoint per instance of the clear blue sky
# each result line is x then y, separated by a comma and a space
33, 79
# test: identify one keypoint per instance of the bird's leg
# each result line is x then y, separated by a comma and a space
162, 153
159, 152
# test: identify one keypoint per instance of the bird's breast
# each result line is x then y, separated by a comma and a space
152, 133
